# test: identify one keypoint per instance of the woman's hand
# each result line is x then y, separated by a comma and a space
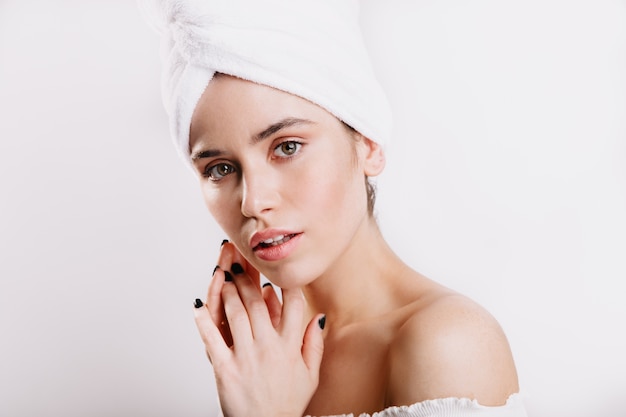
263, 364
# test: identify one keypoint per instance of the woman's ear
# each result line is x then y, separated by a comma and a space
374, 157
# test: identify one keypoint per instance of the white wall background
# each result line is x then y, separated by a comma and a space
506, 181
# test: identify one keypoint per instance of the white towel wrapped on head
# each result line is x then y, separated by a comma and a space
310, 48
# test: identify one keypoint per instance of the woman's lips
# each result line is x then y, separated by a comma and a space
277, 247
275, 241
267, 236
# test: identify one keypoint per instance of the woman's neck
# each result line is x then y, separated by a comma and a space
362, 284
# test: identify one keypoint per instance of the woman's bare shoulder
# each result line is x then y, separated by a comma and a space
450, 346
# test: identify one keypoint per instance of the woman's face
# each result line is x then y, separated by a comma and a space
282, 177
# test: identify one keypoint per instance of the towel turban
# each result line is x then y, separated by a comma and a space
310, 48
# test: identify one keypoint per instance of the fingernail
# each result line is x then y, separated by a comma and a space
322, 322
236, 268
215, 269
223, 241
267, 284
227, 276
198, 303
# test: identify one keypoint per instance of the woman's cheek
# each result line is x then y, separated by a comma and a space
327, 190
220, 206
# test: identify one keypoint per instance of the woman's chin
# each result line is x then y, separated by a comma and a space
288, 280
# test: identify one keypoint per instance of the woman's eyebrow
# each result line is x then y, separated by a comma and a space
275, 127
209, 153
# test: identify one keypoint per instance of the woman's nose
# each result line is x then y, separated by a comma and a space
259, 194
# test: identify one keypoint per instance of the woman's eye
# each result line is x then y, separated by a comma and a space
219, 171
288, 148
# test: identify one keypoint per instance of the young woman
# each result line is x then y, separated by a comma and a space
284, 126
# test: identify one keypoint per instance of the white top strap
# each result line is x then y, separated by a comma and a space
452, 407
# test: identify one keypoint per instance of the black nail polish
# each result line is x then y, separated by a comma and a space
215, 269
223, 241
236, 268
267, 284
322, 322
228, 277
198, 303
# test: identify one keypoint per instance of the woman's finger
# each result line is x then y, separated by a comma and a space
229, 255
225, 258
214, 293
252, 272
236, 315
254, 303
237, 257
229, 260
215, 345
215, 305
274, 306
292, 315
313, 344
214, 296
